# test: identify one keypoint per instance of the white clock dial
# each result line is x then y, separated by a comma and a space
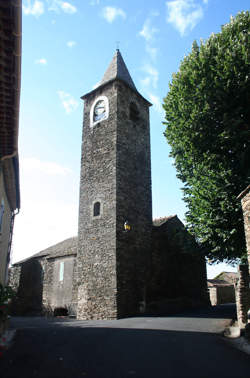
99, 111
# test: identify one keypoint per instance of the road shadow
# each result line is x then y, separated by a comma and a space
102, 352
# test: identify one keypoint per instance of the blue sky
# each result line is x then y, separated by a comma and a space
66, 48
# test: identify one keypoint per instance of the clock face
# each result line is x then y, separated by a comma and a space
99, 110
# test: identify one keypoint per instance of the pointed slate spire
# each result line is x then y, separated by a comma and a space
118, 70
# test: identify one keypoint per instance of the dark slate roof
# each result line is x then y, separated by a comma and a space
215, 283
160, 221
65, 248
118, 70
229, 277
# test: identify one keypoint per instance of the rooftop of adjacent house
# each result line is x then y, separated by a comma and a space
160, 221
229, 277
65, 248
216, 283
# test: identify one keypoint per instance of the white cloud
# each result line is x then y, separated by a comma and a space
31, 165
146, 81
71, 43
184, 14
111, 13
68, 8
205, 1
148, 31
42, 61
68, 102
152, 75
49, 206
152, 51
35, 8
59, 5
156, 101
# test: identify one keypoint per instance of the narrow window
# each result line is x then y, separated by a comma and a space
61, 271
97, 208
133, 112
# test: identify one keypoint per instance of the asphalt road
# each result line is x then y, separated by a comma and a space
187, 345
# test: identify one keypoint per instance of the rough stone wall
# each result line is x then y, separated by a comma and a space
115, 170
27, 278
61, 293
38, 287
213, 295
242, 293
178, 268
58, 293
74, 300
222, 294
97, 235
14, 277
133, 201
4, 231
245, 203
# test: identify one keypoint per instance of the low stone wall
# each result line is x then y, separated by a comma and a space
222, 294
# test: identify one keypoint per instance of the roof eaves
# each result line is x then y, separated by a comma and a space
110, 81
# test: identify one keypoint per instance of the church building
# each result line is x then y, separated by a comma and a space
120, 262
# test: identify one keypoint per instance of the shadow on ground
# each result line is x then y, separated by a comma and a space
46, 348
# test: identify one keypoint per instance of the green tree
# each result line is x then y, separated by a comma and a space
207, 112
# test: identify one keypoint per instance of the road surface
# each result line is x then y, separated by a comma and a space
187, 345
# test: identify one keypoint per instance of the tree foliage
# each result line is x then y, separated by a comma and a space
207, 112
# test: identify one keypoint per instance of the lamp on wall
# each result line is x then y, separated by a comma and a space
127, 226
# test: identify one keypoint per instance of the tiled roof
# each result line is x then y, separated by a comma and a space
215, 282
229, 277
160, 221
65, 248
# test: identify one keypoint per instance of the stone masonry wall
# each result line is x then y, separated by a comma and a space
27, 280
245, 203
133, 201
39, 289
97, 235
222, 294
242, 293
58, 293
115, 171
178, 268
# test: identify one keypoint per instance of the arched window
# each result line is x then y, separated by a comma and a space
97, 209
133, 112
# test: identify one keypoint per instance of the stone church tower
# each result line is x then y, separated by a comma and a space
115, 194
